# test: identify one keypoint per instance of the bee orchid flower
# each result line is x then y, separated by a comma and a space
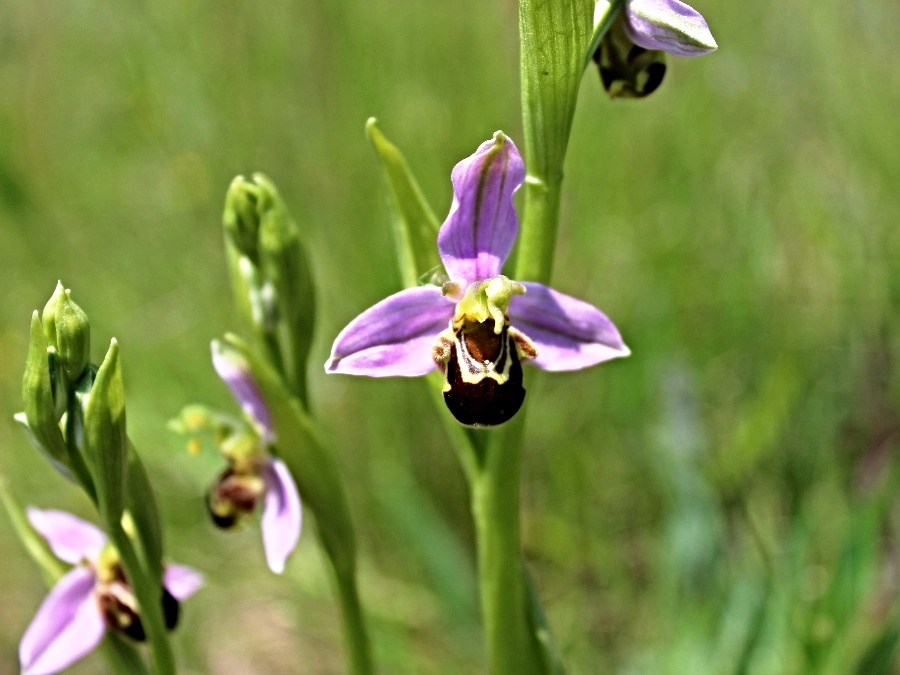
479, 327
91, 597
253, 475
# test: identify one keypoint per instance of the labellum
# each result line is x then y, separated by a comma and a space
233, 496
482, 372
628, 70
118, 606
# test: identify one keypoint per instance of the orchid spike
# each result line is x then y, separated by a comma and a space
91, 597
479, 327
253, 475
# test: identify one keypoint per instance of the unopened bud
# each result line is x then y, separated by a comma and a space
241, 218
68, 331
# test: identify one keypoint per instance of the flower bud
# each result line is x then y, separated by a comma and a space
42, 413
68, 331
241, 217
271, 276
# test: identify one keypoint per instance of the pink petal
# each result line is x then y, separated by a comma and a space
70, 538
668, 25
481, 228
569, 334
394, 337
66, 627
182, 581
282, 515
235, 372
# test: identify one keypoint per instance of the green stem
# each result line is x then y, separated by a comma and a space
356, 638
122, 657
554, 36
300, 445
513, 648
537, 242
149, 598
604, 21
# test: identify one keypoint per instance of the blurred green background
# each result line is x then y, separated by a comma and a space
724, 501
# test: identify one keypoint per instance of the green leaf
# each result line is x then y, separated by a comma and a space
881, 657
50, 566
141, 504
415, 226
105, 441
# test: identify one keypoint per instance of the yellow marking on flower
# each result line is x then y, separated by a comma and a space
488, 299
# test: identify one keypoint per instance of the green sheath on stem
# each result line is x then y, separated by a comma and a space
299, 445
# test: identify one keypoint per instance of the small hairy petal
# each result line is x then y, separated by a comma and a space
235, 372
70, 538
481, 228
282, 515
394, 337
182, 581
668, 25
66, 627
569, 334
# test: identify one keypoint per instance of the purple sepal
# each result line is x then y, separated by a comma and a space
282, 515
481, 228
235, 372
393, 337
70, 538
569, 334
182, 581
668, 25
67, 626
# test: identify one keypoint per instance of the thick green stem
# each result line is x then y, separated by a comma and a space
513, 648
537, 243
554, 39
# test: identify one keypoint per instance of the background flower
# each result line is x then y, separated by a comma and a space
70, 621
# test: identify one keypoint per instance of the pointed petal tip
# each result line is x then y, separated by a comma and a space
568, 333
393, 338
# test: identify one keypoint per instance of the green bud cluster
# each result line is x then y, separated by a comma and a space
271, 277
74, 413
